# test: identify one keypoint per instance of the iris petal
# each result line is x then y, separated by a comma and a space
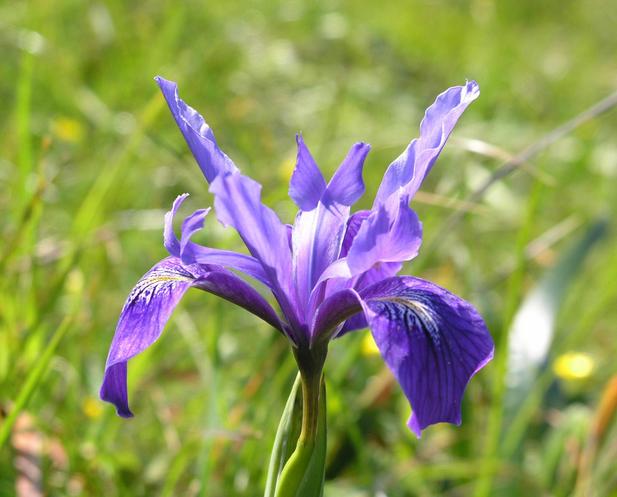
346, 186
191, 252
238, 203
392, 233
151, 303
432, 340
353, 226
333, 312
307, 183
198, 135
407, 172
318, 234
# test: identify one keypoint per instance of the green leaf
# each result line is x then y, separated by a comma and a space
534, 324
286, 438
533, 332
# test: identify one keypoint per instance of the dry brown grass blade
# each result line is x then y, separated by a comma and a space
520, 159
447, 202
605, 415
485, 149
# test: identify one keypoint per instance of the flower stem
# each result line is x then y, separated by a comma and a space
310, 362
303, 473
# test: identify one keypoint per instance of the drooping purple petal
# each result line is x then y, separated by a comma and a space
407, 172
307, 183
432, 340
149, 306
141, 322
378, 272
198, 135
192, 253
238, 204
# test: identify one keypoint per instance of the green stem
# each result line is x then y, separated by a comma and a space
310, 362
303, 474
310, 408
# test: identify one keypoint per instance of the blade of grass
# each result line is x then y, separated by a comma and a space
534, 398
34, 378
22, 117
90, 212
500, 363
539, 310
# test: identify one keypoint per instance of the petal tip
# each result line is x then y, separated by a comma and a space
125, 414
165, 84
180, 198
414, 426
489, 357
108, 393
471, 90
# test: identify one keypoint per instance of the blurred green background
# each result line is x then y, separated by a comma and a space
91, 159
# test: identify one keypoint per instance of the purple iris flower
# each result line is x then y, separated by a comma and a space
331, 273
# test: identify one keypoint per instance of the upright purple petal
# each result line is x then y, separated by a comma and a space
340, 276
238, 204
432, 340
316, 241
392, 233
407, 172
170, 240
318, 234
353, 226
192, 253
198, 135
307, 183
191, 225
149, 306
347, 186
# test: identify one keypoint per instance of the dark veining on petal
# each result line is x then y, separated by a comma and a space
413, 309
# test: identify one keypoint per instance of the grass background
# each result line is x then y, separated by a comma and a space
91, 159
